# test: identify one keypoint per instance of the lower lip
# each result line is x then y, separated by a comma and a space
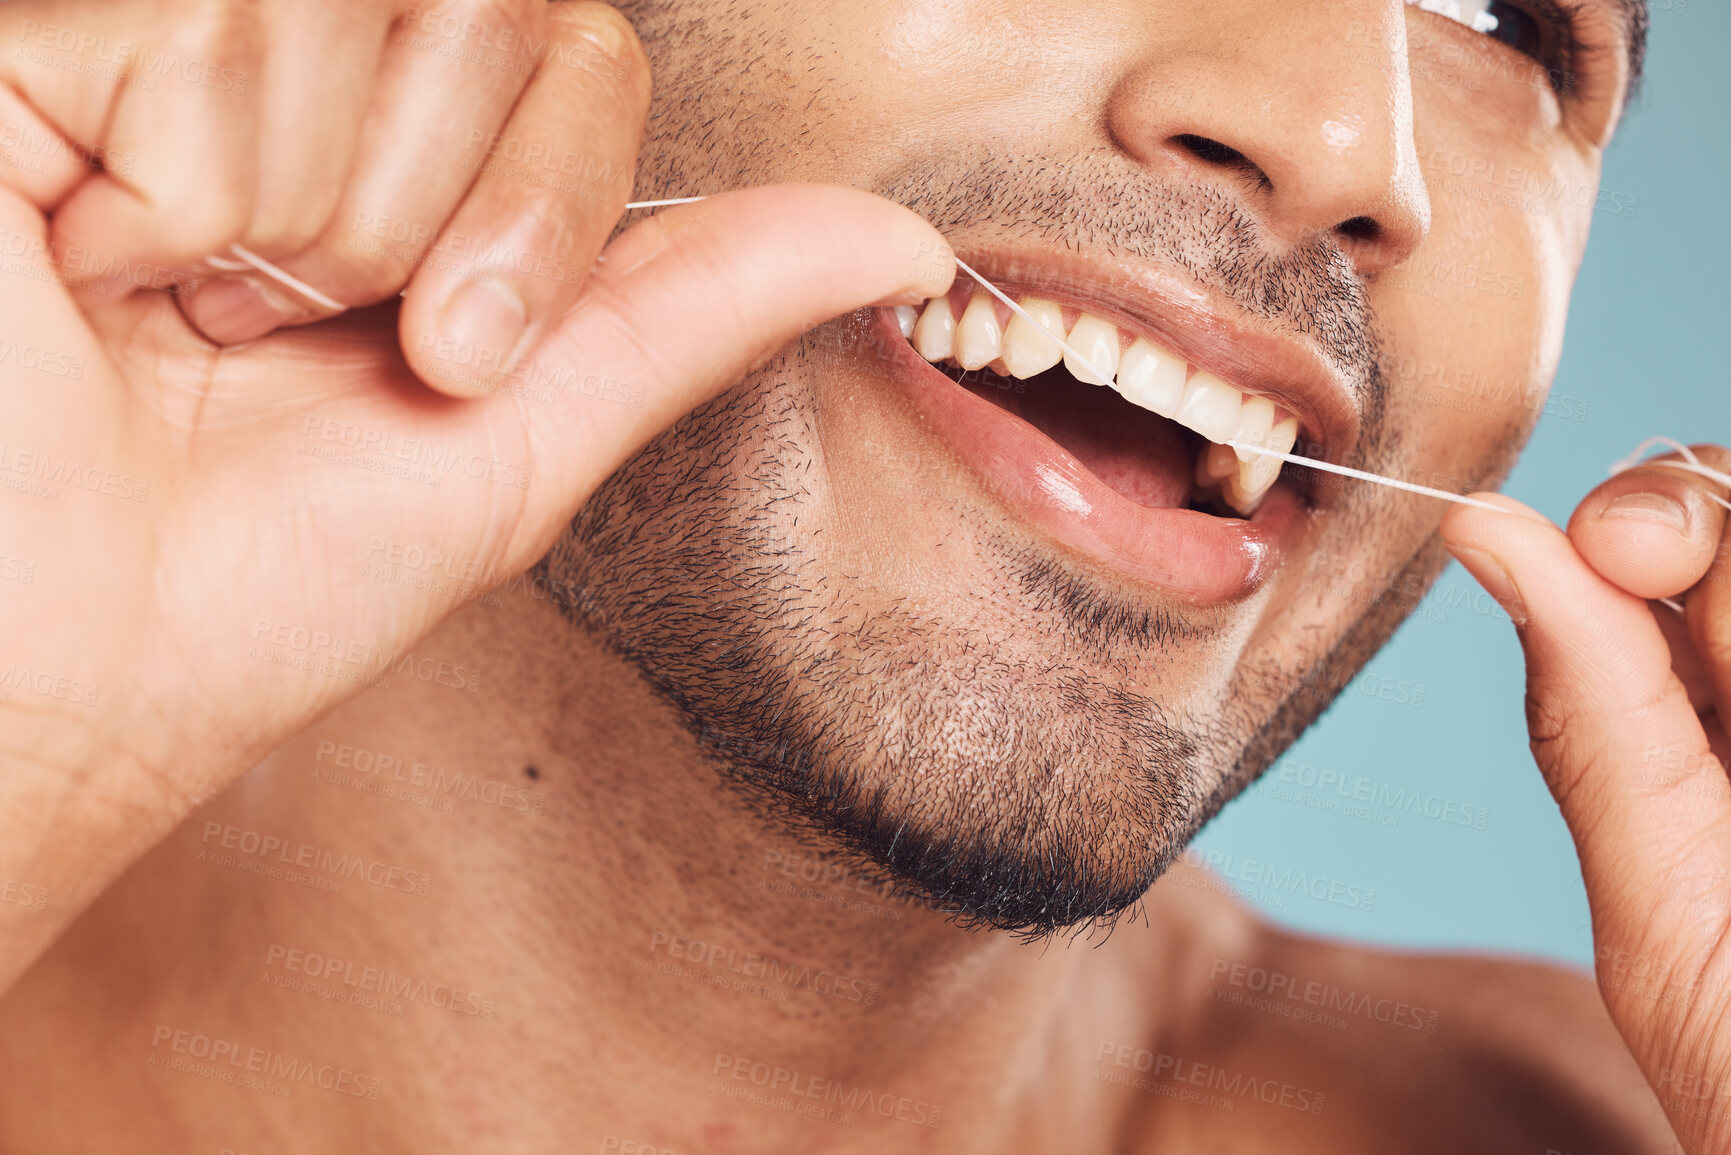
1196, 556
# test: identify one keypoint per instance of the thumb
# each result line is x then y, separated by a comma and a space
1612, 729
682, 307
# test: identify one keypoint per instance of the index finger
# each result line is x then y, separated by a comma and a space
514, 257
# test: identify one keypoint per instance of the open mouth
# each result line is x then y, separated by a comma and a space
1134, 473
1155, 429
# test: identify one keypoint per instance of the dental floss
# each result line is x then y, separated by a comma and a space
1023, 313
1689, 464
1308, 462
1344, 471
659, 204
245, 259
250, 259
1692, 464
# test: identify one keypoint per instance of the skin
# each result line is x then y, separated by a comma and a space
615, 829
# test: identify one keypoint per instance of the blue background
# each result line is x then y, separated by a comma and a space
1645, 350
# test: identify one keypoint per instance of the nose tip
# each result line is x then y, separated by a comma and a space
1313, 133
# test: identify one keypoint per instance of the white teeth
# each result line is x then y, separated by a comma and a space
906, 315
1145, 374
1283, 436
935, 331
1215, 463
979, 337
1210, 407
1096, 339
1151, 377
1030, 349
1245, 490
1255, 419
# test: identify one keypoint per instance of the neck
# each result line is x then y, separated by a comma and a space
647, 954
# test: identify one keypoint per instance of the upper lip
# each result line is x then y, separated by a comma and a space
1197, 323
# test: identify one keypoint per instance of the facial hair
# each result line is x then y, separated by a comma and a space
1028, 779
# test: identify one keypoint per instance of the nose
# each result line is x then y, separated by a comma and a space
1303, 111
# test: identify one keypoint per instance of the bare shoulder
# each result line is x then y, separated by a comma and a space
1300, 1044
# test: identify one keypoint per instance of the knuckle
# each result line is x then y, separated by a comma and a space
226, 31
287, 231
504, 20
598, 39
360, 278
1713, 637
1555, 738
369, 282
367, 255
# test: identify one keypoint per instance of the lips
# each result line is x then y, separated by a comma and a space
1147, 376
1133, 474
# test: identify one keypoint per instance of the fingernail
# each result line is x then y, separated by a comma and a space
1642, 505
1492, 574
484, 320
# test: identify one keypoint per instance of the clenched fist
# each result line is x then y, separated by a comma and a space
195, 456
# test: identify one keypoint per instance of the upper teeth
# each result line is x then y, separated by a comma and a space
1142, 372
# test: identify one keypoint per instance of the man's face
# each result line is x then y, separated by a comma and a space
987, 631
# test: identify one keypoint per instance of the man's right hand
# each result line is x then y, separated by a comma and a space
184, 526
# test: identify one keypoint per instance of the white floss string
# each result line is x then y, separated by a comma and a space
1393, 482
1689, 464
245, 259
242, 259
1307, 462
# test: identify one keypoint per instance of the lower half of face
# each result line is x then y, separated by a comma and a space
1011, 634
871, 618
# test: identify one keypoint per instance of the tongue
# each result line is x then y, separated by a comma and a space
1140, 454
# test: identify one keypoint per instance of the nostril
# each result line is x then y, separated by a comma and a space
1221, 156
1359, 229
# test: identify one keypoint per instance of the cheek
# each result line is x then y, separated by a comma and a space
1471, 327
